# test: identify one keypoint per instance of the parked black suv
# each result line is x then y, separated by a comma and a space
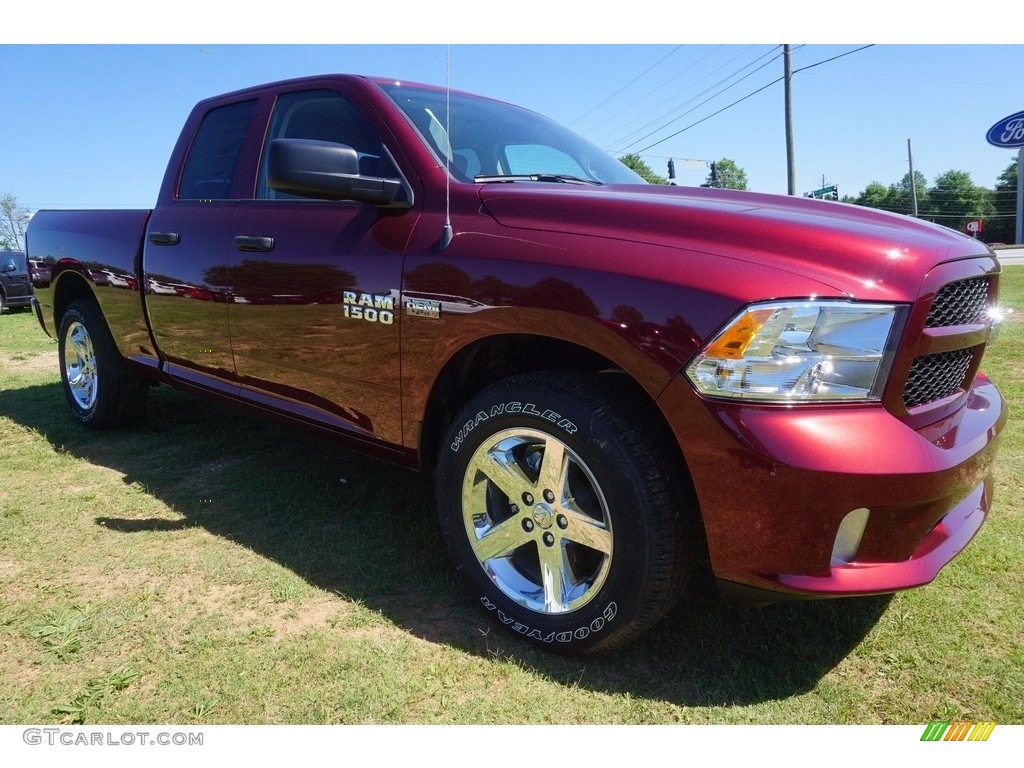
15, 286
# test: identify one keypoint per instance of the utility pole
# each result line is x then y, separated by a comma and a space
790, 162
1020, 196
913, 181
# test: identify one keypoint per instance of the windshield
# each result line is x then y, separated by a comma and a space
487, 140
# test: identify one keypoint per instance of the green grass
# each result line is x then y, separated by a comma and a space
206, 567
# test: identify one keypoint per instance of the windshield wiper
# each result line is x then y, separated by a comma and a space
556, 178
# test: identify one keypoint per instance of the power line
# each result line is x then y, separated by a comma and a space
609, 98
710, 98
703, 119
877, 170
749, 95
642, 115
676, 108
967, 215
826, 61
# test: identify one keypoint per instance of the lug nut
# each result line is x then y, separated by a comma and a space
549, 539
528, 499
563, 522
527, 525
549, 496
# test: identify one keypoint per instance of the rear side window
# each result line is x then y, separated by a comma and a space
210, 165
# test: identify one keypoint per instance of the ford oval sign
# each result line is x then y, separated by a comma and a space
1008, 132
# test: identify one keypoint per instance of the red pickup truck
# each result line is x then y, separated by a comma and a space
612, 383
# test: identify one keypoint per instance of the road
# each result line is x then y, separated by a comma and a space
1010, 256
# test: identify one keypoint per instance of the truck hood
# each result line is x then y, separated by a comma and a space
860, 252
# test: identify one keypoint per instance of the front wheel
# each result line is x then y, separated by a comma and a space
102, 390
562, 512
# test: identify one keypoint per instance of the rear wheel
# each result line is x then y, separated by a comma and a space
102, 390
562, 513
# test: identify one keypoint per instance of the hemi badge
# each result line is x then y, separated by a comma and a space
423, 308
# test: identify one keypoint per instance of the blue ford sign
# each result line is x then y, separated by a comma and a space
1008, 132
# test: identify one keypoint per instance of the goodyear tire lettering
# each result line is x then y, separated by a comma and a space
580, 633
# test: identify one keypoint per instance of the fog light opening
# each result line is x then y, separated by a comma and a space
848, 537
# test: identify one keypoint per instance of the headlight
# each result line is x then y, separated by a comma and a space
808, 351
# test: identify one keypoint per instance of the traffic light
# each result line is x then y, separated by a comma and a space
671, 168
714, 175
835, 192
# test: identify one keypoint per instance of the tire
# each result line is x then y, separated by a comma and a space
102, 390
556, 473
3, 302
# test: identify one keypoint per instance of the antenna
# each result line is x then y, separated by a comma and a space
446, 231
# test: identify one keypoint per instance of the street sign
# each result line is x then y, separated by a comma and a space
1008, 132
825, 192
974, 227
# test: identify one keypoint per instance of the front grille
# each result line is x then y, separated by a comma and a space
959, 303
933, 377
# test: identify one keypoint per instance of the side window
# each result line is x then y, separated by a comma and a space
8, 262
324, 116
210, 165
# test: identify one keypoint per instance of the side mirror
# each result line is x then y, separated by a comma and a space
327, 171
9, 267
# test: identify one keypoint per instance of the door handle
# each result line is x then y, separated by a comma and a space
253, 243
164, 238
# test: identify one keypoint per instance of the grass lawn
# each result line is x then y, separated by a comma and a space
206, 567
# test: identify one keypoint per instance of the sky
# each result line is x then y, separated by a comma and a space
91, 119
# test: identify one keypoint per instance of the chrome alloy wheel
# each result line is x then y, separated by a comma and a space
537, 521
80, 365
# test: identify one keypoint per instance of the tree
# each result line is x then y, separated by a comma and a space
898, 197
875, 195
13, 223
726, 175
636, 164
1002, 227
956, 199
901, 195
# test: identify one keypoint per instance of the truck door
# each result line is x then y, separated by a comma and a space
187, 254
315, 316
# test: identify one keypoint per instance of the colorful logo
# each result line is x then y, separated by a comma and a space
958, 730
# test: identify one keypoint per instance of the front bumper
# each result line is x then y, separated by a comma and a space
776, 483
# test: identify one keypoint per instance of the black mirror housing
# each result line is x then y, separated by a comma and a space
327, 171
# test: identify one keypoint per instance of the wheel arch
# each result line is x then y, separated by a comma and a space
486, 361
68, 286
